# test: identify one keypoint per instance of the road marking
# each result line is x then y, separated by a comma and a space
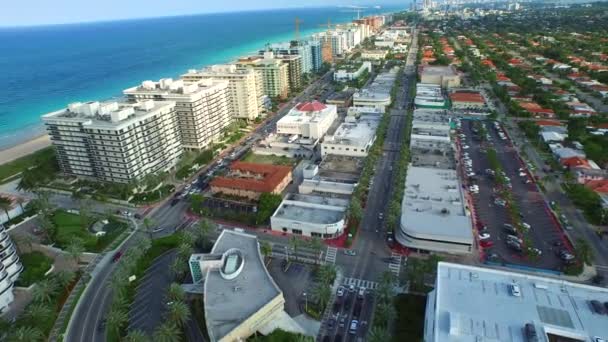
330, 256
395, 264
368, 284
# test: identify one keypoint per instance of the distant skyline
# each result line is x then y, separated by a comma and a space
45, 12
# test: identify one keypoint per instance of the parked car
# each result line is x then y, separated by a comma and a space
515, 290
340, 291
350, 252
514, 245
484, 236
353, 327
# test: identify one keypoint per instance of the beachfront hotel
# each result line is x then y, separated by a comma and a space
275, 73
10, 269
202, 108
246, 87
115, 142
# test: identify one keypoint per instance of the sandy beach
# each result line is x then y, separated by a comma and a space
24, 148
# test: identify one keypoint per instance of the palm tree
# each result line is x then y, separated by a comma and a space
384, 313
75, 249
184, 250
179, 313
136, 336
176, 293
37, 312
47, 225
266, 249
204, 229
64, 278
42, 202
327, 273
378, 334
25, 334
148, 223
20, 200
84, 213
316, 245
5, 204
294, 243
167, 332
179, 266
322, 293
44, 291
584, 251
117, 319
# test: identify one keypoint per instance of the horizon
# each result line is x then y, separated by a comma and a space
8, 20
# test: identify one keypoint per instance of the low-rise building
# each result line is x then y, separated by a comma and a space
354, 137
202, 108
308, 119
352, 72
341, 99
467, 100
335, 176
378, 93
445, 76
250, 180
472, 303
241, 298
430, 96
374, 54
115, 142
430, 130
309, 215
433, 217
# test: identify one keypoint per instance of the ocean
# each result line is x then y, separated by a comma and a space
43, 68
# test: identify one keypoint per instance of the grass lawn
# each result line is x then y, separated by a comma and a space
270, 159
19, 165
69, 226
35, 265
410, 318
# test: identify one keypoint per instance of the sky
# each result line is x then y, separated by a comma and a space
42, 12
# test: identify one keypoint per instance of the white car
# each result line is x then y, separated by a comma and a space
525, 225
484, 236
522, 174
515, 291
471, 174
465, 147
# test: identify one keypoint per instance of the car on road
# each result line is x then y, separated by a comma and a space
509, 228
117, 256
350, 252
174, 201
526, 225
380, 216
340, 291
486, 243
515, 238
514, 245
484, 236
353, 327
158, 229
361, 292
342, 321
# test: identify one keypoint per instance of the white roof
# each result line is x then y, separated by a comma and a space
475, 304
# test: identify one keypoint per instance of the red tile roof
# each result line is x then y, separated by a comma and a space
270, 177
575, 162
314, 106
599, 185
548, 123
466, 97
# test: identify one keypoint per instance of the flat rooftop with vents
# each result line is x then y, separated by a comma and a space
471, 304
310, 215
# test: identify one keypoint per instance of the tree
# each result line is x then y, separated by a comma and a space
167, 332
266, 249
6, 204
326, 273
184, 250
148, 223
48, 227
384, 313
179, 313
203, 230
294, 244
44, 291
316, 245
76, 248
584, 251
84, 212
20, 200
378, 334
179, 267
117, 319
37, 312
267, 205
322, 294
136, 336
355, 210
63, 278
25, 334
176, 293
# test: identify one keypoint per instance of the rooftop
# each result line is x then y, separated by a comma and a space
466, 97
439, 70
252, 176
229, 301
433, 207
340, 168
307, 112
355, 132
476, 304
313, 209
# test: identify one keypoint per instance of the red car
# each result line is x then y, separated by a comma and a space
117, 256
486, 243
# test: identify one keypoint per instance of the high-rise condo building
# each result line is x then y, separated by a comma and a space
115, 142
246, 87
275, 73
293, 48
10, 268
202, 108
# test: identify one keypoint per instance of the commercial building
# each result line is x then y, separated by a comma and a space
445, 76
241, 298
250, 180
335, 176
308, 215
115, 142
341, 99
472, 304
433, 217
274, 73
430, 130
308, 119
378, 93
430, 96
352, 72
10, 269
246, 88
467, 100
203, 108
374, 54
354, 137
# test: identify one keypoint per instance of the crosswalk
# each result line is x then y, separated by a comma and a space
330, 256
368, 284
395, 264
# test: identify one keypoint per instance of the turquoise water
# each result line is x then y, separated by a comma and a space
44, 68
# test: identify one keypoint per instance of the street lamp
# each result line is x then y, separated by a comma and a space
305, 302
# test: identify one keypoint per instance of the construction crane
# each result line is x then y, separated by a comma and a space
298, 22
329, 25
357, 10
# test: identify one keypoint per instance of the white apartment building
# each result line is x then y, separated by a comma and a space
115, 142
246, 88
202, 108
349, 73
354, 137
309, 215
274, 73
10, 269
470, 304
337, 39
308, 120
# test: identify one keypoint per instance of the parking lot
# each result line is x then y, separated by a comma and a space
499, 242
351, 315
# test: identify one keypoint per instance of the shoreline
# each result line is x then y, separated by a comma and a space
25, 148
